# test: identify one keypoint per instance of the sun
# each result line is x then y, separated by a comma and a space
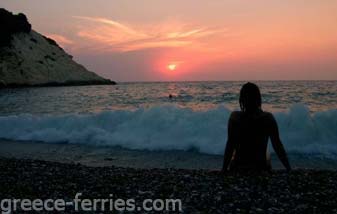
172, 67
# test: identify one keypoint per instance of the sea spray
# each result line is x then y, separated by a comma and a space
169, 127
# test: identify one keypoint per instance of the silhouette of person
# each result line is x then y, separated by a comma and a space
248, 134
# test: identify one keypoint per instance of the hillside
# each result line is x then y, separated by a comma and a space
28, 58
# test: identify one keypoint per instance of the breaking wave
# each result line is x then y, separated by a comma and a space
170, 128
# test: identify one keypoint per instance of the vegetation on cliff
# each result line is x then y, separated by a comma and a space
11, 24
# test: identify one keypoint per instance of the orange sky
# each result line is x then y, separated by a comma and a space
129, 40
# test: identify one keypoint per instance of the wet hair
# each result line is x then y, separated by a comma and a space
250, 98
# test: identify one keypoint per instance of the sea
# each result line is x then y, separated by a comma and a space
170, 116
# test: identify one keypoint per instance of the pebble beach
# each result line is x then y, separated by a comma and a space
201, 191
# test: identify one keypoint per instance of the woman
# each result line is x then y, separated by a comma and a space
248, 133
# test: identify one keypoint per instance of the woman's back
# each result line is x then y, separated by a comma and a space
248, 133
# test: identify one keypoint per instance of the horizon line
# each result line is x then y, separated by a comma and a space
271, 80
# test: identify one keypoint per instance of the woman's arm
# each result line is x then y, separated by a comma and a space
229, 146
277, 144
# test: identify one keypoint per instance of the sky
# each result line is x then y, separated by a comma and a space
192, 40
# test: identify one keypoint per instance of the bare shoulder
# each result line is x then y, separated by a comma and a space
269, 117
235, 115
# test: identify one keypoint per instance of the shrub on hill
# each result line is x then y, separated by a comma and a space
11, 24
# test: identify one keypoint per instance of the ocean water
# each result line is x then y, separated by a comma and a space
143, 116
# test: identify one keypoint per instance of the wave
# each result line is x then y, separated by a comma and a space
170, 128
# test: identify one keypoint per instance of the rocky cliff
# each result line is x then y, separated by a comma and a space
28, 58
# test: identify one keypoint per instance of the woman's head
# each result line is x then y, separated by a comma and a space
250, 98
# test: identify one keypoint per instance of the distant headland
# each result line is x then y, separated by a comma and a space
29, 59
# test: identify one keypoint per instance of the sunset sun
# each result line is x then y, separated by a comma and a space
182, 106
172, 67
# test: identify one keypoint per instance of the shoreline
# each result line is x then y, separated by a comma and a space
58, 84
100, 156
200, 191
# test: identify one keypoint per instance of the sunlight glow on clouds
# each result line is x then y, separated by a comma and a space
128, 40
115, 36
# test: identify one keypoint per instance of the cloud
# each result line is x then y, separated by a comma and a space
111, 35
112, 23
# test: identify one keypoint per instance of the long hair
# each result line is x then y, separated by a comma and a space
250, 98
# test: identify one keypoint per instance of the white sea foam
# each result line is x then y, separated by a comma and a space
171, 128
